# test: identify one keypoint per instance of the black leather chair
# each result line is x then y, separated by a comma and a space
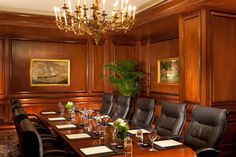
20, 115
31, 144
171, 120
123, 107
107, 104
206, 130
15, 104
144, 113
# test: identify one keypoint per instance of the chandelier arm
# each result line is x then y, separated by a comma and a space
80, 22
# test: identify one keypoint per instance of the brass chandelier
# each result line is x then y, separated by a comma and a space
94, 20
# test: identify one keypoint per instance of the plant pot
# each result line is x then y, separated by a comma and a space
120, 142
69, 110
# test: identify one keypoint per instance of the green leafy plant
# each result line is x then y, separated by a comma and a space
126, 78
121, 128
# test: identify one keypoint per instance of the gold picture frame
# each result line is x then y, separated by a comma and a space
168, 71
49, 72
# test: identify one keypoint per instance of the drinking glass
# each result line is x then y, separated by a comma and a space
102, 131
114, 132
61, 108
90, 125
98, 119
89, 112
95, 124
152, 136
106, 118
139, 135
85, 112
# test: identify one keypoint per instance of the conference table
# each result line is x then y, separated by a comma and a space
76, 144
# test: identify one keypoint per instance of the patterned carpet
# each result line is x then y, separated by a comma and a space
8, 143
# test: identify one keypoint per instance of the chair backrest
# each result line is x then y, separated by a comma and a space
15, 103
123, 107
19, 115
144, 113
206, 128
107, 104
29, 140
172, 119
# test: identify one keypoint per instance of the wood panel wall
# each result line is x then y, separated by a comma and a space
85, 80
205, 47
22, 51
207, 52
1, 67
223, 70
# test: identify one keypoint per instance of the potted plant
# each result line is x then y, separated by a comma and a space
126, 77
69, 106
121, 129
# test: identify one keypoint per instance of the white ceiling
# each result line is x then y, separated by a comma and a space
45, 7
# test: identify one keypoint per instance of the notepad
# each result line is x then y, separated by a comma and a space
135, 131
78, 136
49, 112
105, 116
110, 123
167, 143
65, 126
56, 118
96, 150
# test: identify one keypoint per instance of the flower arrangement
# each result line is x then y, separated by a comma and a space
69, 106
121, 128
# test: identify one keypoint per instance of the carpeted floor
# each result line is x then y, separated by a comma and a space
8, 143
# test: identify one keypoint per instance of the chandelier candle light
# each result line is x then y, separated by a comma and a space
80, 22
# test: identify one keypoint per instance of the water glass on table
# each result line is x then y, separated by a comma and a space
152, 136
128, 144
106, 118
73, 116
114, 132
139, 135
61, 108
102, 131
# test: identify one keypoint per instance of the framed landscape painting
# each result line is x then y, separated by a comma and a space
49, 72
168, 70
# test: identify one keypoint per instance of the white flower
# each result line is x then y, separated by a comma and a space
119, 120
70, 103
123, 123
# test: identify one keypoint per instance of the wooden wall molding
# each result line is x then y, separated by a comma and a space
27, 20
23, 51
190, 54
222, 56
169, 8
97, 67
2, 67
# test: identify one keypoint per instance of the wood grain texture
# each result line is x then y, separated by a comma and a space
2, 66
223, 55
144, 60
23, 51
123, 52
191, 51
162, 50
97, 63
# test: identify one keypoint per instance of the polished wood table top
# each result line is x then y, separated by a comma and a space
137, 151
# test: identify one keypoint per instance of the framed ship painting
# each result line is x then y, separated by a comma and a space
168, 70
49, 72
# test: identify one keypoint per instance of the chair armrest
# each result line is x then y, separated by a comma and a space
46, 135
42, 128
47, 140
175, 137
57, 152
33, 115
206, 152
